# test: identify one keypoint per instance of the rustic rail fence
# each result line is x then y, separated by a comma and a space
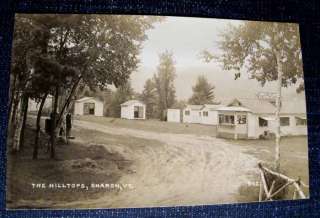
269, 191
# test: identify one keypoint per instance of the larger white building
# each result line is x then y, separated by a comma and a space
243, 118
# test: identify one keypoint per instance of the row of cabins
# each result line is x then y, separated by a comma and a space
240, 119
246, 118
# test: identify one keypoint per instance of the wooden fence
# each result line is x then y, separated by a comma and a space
268, 192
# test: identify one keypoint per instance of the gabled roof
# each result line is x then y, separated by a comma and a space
212, 106
265, 107
131, 102
194, 107
255, 105
86, 99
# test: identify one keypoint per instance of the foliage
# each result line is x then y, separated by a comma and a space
149, 97
252, 47
121, 95
164, 82
203, 92
55, 53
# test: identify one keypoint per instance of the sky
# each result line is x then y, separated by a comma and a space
186, 38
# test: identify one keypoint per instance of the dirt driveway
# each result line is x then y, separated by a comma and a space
184, 170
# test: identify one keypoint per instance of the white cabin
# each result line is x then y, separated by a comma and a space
192, 113
88, 106
210, 114
133, 109
174, 115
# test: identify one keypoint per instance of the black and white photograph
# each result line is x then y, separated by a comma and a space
132, 111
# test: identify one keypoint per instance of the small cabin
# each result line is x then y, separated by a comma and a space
88, 106
174, 115
210, 114
133, 110
192, 113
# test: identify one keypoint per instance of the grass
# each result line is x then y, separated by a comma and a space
293, 161
78, 162
154, 125
111, 165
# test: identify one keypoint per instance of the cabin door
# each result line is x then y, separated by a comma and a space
88, 108
138, 112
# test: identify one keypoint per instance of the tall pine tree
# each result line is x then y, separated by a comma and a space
203, 92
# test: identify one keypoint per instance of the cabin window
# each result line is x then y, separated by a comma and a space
242, 119
301, 121
187, 113
226, 119
263, 122
205, 113
220, 118
284, 121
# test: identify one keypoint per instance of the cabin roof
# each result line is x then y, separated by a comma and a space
294, 106
194, 107
255, 105
265, 107
233, 108
131, 102
86, 99
212, 106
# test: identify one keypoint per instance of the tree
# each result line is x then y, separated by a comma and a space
121, 95
202, 92
268, 51
148, 96
100, 50
27, 42
164, 83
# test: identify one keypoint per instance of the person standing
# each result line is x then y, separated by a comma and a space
68, 125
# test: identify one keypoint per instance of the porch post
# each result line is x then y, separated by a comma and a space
235, 126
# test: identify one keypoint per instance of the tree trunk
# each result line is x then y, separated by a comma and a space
278, 108
54, 123
37, 136
12, 121
11, 97
17, 128
25, 102
68, 100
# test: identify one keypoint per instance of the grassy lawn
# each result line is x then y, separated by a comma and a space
154, 125
83, 160
293, 159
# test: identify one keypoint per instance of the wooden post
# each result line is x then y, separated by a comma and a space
235, 125
261, 191
290, 181
265, 187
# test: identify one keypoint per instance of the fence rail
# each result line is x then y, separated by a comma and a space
268, 192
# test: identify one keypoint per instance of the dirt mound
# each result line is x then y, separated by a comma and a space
86, 163
90, 166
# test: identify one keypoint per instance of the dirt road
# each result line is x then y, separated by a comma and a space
184, 170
